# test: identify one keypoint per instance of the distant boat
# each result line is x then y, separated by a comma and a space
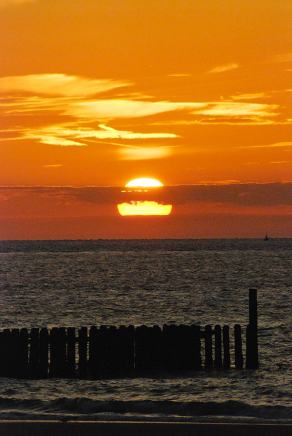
266, 238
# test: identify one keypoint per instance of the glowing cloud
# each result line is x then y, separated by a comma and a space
223, 68
59, 84
119, 108
145, 153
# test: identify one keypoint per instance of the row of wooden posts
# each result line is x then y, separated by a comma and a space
126, 351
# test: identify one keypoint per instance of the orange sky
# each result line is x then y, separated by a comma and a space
97, 92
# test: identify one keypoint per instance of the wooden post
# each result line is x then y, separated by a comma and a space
34, 353
253, 308
170, 340
6, 361
44, 353
58, 352
15, 355
71, 352
252, 359
226, 347
149, 349
208, 347
238, 347
23, 352
93, 352
196, 345
82, 351
125, 358
218, 347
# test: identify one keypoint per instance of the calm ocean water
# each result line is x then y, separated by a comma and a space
74, 283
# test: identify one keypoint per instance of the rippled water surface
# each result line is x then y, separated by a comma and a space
152, 282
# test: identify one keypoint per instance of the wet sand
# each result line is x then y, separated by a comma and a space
105, 428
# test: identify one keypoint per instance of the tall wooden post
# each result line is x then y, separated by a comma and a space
44, 352
238, 347
252, 359
218, 347
208, 347
34, 354
82, 352
226, 347
71, 352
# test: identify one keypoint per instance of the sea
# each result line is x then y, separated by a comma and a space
121, 282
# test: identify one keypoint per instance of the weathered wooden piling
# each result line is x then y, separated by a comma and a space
6, 355
218, 347
226, 347
125, 349
34, 353
149, 349
252, 360
82, 352
58, 352
196, 347
208, 347
71, 352
44, 353
23, 353
93, 366
109, 351
238, 347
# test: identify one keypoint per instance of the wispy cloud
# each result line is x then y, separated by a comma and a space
52, 166
85, 111
67, 136
118, 108
53, 140
145, 153
180, 75
239, 109
284, 144
282, 57
223, 68
250, 96
59, 84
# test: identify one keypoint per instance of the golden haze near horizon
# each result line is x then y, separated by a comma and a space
97, 93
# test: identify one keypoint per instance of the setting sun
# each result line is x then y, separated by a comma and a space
144, 182
143, 207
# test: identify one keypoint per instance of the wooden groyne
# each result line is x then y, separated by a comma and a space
128, 351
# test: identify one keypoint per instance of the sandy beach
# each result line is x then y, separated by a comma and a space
104, 428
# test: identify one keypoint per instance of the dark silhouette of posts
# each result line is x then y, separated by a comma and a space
196, 347
111, 351
208, 347
252, 360
82, 351
71, 352
93, 353
149, 349
15, 353
238, 347
218, 347
58, 352
5, 357
44, 353
34, 353
226, 347
23, 353
126, 350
